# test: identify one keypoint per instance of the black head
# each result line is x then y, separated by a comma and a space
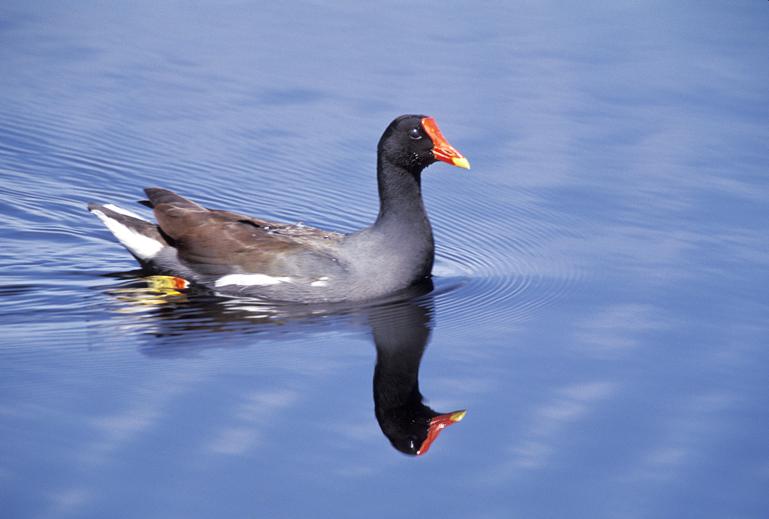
413, 428
414, 142
406, 427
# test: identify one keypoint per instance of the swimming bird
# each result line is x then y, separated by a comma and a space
234, 254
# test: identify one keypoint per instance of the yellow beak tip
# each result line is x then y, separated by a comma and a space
461, 163
456, 417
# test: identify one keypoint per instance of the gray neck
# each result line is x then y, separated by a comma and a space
402, 225
401, 208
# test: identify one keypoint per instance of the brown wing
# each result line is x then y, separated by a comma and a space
218, 242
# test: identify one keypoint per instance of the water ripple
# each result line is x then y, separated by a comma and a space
505, 261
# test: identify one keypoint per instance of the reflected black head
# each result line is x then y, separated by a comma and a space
406, 144
406, 427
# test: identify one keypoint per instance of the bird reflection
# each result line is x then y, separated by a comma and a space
400, 326
401, 332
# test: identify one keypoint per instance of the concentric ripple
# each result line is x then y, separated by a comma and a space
503, 255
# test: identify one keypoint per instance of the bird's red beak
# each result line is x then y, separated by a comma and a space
437, 424
441, 147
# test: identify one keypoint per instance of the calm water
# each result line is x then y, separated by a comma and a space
600, 301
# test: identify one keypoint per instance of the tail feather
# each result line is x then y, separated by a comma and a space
158, 196
143, 239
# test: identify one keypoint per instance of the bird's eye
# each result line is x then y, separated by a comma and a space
415, 134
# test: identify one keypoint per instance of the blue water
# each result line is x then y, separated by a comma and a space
600, 296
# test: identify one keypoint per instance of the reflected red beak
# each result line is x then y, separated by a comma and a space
437, 424
441, 147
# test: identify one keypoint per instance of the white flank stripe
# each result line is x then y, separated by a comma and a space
125, 212
143, 247
319, 283
250, 280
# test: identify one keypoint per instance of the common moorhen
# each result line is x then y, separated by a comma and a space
239, 255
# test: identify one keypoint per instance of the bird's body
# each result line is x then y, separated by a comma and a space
240, 255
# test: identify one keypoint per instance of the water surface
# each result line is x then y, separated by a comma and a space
599, 303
